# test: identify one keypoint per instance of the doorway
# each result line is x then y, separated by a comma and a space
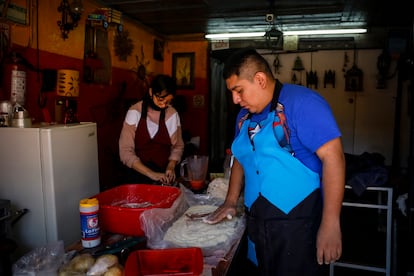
222, 111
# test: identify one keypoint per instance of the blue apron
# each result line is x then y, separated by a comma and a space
271, 170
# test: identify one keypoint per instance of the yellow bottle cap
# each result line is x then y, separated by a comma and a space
89, 202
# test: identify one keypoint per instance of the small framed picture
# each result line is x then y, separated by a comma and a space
158, 49
183, 70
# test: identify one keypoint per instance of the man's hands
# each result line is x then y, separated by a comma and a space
221, 213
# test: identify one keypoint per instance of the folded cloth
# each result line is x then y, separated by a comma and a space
373, 177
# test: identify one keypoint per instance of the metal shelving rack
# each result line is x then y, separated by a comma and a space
380, 206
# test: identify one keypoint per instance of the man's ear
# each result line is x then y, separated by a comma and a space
261, 79
150, 92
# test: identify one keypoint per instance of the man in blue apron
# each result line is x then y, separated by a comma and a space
289, 160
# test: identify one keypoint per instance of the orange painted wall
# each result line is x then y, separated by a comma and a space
195, 119
40, 42
42, 46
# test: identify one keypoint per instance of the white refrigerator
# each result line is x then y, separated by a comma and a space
48, 170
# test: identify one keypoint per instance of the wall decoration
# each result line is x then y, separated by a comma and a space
159, 49
198, 101
67, 84
4, 40
70, 16
312, 76
141, 68
16, 13
354, 77
346, 61
297, 70
97, 65
123, 45
329, 77
383, 66
183, 70
277, 64
312, 79
143, 76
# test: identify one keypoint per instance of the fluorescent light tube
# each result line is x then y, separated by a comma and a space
326, 32
303, 32
234, 35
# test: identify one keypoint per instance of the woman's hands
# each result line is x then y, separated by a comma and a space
163, 178
166, 178
170, 176
170, 171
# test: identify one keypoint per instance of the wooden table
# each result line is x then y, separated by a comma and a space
224, 265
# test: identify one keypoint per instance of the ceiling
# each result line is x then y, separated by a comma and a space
181, 18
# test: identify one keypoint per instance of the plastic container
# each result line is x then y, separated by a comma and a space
170, 261
228, 162
121, 207
89, 217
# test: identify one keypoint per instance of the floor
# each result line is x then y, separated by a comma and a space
364, 236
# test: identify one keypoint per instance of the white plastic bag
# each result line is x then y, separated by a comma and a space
42, 261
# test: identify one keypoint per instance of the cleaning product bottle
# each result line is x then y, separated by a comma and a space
89, 208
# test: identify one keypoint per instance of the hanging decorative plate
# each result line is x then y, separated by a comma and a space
123, 45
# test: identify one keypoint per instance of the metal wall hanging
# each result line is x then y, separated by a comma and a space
312, 79
354, 77
159, 49
71, 14
277, 64
346, 60
312, 76
297, 71
329, 78
383, 66
123, 45
141, 68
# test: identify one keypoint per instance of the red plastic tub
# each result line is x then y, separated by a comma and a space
121, 207
170, 261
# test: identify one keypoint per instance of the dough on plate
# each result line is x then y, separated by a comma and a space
218, 188
193, 232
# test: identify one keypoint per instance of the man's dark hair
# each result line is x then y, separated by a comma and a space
241, 63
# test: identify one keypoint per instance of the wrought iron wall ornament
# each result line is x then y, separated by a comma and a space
354, 77
346, 60
298, 65
71, 14
297, 68
277, 64
141, 69
312, 79
329, 78
383, 66
294, 78
123, 45
311, 76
